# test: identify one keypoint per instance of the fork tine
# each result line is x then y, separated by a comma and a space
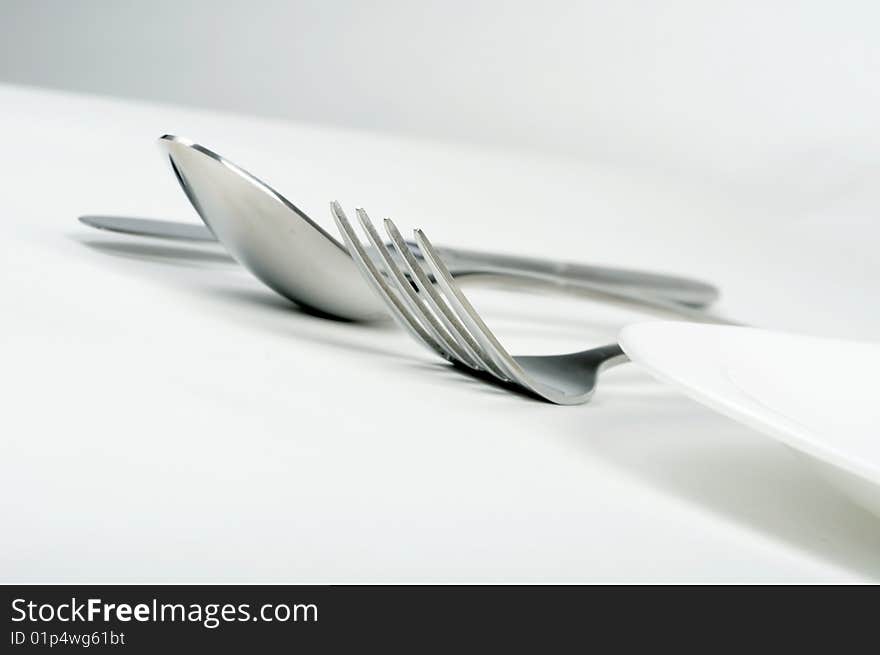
469, 315
410, 297
441, 309
372, 275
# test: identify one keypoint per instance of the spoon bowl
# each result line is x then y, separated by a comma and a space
269, 235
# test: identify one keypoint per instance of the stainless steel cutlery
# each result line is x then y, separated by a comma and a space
446, 322
415, 282
293, 255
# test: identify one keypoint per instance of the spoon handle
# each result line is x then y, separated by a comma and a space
665, 288
565, 275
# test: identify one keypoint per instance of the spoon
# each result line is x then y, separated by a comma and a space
295, 257
815, 395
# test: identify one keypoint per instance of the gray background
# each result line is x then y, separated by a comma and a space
751, 95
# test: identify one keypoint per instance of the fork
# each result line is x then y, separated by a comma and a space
445, 321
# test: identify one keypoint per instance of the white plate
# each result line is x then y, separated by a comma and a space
818, 396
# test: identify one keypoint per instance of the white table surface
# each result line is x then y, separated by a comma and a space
165, 418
